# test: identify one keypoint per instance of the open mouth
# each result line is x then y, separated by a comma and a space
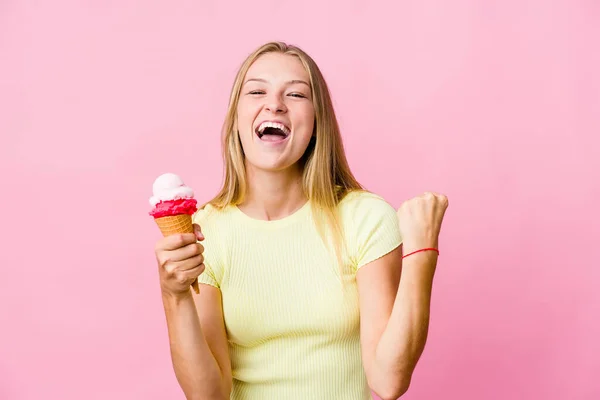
272, 131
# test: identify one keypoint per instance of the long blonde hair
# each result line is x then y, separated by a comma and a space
327, 178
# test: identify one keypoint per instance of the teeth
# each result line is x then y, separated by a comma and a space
277, 125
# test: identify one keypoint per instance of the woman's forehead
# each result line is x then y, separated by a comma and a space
277, 66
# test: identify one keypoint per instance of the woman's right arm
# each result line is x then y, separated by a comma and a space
195, 324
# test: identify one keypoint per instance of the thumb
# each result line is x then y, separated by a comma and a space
198, 232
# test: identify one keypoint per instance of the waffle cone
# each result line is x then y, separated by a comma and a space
172, 224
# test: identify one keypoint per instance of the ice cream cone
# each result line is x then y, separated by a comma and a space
173, 205
172, 224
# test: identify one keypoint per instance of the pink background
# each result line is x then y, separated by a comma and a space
494, 103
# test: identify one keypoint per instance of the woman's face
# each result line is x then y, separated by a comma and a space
275, 115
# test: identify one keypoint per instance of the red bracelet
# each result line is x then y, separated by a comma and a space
418, 251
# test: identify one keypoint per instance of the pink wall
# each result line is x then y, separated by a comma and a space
496, 104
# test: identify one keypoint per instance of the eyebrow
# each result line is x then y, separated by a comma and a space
293, 81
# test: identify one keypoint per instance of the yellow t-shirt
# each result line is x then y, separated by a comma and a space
293, 332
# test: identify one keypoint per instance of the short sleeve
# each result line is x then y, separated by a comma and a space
213, 272
374, 229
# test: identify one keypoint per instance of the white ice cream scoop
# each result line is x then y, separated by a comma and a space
169, 187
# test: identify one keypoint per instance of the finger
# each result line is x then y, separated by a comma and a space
186, 278
441, 211
169, 259
198, 232
189, 251
177, 241
190, 275
174, 268
445, 201
191, 263
442, 201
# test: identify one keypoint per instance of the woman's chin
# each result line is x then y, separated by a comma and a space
275, 166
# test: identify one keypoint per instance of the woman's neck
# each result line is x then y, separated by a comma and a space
273, 194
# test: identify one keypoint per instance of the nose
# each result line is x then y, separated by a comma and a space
275, 104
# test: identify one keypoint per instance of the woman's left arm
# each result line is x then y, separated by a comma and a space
394, 311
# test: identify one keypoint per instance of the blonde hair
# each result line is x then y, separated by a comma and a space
327, 178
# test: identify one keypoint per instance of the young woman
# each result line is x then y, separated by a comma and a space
300, 295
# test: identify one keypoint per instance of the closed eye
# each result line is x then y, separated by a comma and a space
257, 92
299, 95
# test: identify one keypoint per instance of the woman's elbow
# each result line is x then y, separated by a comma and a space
393, 389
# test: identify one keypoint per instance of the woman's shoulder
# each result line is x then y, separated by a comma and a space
370, 224
208, 215
363, 201
360, 209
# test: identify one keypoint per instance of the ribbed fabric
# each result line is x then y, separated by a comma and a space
293, 328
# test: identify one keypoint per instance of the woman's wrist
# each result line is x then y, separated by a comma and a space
418, 247
176, 298
426, 256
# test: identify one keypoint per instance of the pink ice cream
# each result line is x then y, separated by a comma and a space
170, 196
